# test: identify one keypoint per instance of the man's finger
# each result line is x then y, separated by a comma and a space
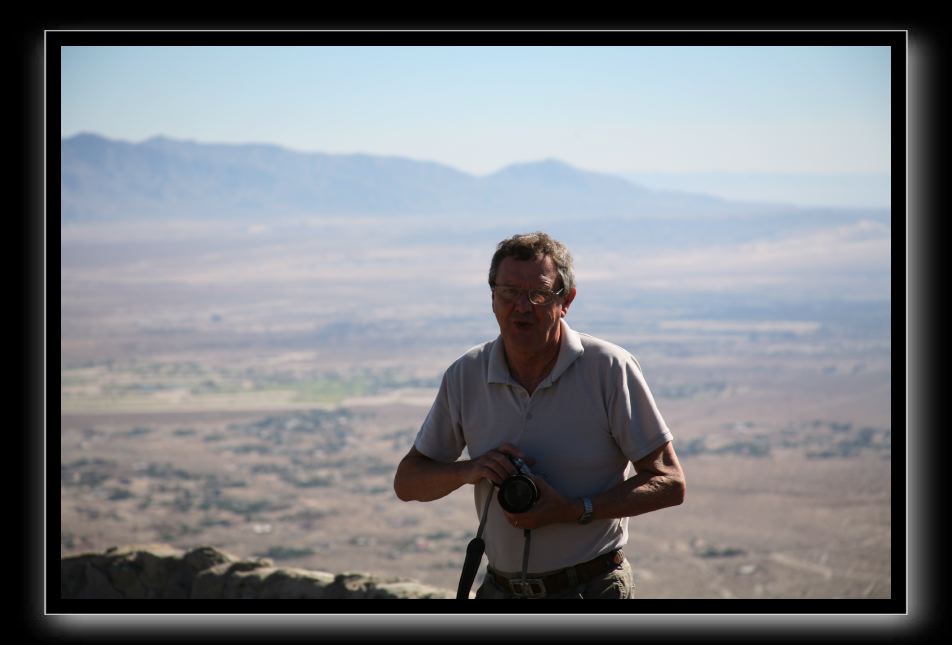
508, 448
496, 466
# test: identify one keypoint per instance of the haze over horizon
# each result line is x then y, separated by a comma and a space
802, 125
815, 189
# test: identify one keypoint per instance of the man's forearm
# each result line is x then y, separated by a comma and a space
643, 493
659, 483
422, 479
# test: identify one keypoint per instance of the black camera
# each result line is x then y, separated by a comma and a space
518, 493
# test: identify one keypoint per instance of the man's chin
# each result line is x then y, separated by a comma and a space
526, 341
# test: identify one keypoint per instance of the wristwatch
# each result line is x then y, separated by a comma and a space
586, 515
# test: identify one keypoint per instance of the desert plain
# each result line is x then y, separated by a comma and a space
253, 388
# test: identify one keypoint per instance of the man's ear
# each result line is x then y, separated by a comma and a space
567, 302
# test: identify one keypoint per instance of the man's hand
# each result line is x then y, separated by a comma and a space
494, 465
550, 508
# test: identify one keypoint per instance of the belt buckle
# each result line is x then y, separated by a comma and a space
523, 588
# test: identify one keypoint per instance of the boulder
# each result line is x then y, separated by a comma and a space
163, 571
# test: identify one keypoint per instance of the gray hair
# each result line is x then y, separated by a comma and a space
535, 246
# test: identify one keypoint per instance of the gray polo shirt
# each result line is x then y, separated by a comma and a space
584, 425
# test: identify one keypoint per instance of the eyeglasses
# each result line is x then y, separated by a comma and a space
537, 297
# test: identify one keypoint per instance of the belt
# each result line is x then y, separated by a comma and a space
561, 580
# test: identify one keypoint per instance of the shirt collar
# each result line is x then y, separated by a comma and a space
570, 348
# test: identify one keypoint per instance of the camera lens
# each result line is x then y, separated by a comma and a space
517, 494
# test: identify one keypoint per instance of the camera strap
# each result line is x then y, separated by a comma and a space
482, 517
474, 554
525, 556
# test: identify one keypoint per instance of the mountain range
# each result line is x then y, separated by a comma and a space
163, 178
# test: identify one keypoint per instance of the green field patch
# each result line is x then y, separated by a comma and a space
138, 385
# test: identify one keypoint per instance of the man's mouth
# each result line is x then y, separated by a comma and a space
522, 324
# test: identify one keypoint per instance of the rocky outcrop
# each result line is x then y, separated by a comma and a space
162, 571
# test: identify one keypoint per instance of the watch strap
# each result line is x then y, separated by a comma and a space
586, 515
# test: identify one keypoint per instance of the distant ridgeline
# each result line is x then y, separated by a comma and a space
162, 571
164, 178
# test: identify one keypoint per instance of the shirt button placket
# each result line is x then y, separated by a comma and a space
526, 414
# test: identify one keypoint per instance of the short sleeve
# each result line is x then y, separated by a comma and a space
636, 422
441, 435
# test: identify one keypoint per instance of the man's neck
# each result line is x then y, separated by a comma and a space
530, 369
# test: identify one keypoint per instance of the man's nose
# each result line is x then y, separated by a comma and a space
522, 301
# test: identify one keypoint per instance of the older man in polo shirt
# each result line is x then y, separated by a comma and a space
576, 408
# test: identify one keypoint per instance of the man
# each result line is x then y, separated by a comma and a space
575, 408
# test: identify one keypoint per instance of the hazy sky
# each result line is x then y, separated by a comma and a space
478, 109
